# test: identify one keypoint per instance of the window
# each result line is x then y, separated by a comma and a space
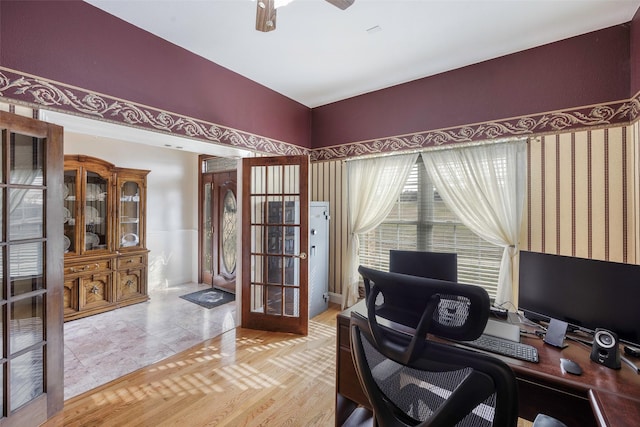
420, 221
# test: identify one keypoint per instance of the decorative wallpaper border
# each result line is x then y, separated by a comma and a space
39, 92
619, 112
63, 98
635, 111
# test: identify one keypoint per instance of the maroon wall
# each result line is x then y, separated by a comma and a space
75, 43
584, 70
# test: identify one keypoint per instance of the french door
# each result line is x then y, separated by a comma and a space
31, 275
275, 216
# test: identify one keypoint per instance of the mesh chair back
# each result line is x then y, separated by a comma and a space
461, 313
412, 380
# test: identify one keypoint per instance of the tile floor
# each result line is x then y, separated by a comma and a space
101, 348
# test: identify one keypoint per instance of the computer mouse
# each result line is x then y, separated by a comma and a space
570, 366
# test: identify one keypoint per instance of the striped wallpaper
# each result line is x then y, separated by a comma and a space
582, 197
328, 183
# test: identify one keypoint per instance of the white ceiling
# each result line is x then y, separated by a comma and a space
320, 54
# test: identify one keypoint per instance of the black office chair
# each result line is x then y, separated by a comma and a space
412, 380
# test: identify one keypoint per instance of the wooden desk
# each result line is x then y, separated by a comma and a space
543, 388
613, 409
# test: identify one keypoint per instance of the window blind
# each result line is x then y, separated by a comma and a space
420, 221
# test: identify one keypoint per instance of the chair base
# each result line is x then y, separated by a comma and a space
547, 421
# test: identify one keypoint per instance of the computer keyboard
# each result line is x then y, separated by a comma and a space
504, 347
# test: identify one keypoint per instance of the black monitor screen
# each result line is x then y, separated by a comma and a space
435, 265
583, 292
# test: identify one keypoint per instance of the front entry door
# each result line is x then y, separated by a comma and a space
275, 216
218, 230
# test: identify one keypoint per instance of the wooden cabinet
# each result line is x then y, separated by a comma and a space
104, 236
131, 284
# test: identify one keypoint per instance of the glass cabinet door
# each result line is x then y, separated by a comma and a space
70, 210
129, 233
95, 212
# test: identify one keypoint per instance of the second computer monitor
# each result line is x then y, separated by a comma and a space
435, 265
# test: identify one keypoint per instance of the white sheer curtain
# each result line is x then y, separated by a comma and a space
373, 185
484, 186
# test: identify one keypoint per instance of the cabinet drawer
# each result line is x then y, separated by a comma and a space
88, 267
135, 261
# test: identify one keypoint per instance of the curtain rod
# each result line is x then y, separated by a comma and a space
440, 147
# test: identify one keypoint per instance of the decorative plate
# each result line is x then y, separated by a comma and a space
92, 191
65, 191
66, 214
67, 243
129, 239
91, 239
91, 215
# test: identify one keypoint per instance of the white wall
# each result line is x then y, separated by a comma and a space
172, 202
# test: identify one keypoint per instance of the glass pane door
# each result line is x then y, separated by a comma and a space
275, 222
207, 231
70, 210
31, 274
26, 247
129, 234
95, 212
228, 233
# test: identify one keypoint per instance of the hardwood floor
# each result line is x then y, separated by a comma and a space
240, 378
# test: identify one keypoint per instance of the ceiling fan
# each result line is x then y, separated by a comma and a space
266, 12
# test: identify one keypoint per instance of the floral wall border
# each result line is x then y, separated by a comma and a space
40, 92
604, 115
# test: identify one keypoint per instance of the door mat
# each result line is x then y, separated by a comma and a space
209, 298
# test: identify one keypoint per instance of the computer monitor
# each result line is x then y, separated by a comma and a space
434, 265
585, 293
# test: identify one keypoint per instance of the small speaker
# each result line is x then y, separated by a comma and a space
605, 349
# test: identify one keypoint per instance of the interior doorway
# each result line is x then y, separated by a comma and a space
218, 219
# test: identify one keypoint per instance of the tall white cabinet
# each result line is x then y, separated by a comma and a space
318, 257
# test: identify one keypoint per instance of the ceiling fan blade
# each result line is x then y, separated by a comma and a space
265, 15
342, 4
